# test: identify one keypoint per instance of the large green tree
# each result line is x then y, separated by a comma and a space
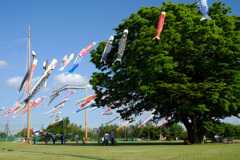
192, 73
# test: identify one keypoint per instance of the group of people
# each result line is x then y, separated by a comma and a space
47, 137
106, 138
63, 138
77, 137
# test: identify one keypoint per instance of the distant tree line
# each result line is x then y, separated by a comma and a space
147, 131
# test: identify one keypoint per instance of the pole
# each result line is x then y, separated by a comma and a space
86, 111
28, 120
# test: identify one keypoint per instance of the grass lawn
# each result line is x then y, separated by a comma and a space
122, 150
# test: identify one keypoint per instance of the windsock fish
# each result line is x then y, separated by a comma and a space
107, 110
2, 108
113, 106
6, 111
164, 121
88, 100
53, 109
57, 92
39, 102
146, 120
27, 74
107, 49
82, 100
56, 111
15, 132
66, 87
84, 51
94, 108
55, 114
109, 113
204, 9
31, 105
55, 121
64, 59
12, 110
80, 56
40, 83
113, 119
90, 104
34, 63
124, 124
65, 100
121, 47
69, 94
160, 25
66, 62
53, 97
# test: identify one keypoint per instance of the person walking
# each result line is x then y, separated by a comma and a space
76, 138
106, 138
53, 138
46, 138
112, 137
34, 138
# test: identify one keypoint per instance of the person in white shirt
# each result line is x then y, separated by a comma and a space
103, 140
106, 138
76, 138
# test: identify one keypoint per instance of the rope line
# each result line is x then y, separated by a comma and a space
11, 45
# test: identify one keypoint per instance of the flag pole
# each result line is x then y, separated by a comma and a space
28, 120
86, 111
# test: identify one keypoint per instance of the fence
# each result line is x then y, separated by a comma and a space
11, 139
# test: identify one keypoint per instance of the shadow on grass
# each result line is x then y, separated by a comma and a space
118, 144
78, 156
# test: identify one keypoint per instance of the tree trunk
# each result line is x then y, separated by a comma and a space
189, 128
195, 129
192, 129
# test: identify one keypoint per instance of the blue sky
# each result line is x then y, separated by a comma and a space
60, 27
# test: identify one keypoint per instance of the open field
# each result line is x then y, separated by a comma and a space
123, 150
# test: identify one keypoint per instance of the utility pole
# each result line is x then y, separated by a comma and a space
86, 111
7, 131
28, 121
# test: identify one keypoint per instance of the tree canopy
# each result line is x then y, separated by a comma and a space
192, 73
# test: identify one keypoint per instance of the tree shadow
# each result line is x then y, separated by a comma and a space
118, 144
78, 156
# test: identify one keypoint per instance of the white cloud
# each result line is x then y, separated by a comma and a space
2, 64
15, 81
63, 79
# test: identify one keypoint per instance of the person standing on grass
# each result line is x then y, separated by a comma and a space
65, 138
34, 138
46, 138
106, 138
112, 137
103, 141
62, 138
53, 138
76, 138
83, 142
